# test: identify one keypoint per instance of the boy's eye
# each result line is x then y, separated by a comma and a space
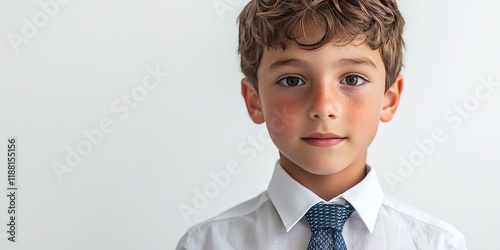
353, 80
291, 81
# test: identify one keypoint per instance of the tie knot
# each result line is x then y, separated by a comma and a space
324, 216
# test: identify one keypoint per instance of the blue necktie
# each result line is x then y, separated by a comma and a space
326, 221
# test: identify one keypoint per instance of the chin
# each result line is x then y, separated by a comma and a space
323, 168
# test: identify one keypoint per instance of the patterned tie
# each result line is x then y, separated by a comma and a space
326, 221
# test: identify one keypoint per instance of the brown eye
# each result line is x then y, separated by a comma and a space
291, 81
353, 80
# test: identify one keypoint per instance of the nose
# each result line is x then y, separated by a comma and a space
323, 102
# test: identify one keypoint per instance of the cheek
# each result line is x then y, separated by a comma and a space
280, 115
364, 113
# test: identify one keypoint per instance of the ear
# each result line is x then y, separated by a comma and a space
252, 100
391, 100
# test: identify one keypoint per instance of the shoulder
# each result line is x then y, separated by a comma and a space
422, 225
238, 219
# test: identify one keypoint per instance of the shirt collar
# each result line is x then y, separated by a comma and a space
292, 200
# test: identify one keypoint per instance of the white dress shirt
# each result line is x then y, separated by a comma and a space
275, 220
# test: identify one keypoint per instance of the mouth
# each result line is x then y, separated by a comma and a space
323, 139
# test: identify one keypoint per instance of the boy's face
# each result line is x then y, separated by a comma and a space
322, 107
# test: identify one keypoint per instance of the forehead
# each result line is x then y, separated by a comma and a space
353, 53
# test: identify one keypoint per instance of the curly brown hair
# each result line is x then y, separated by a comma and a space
274, 23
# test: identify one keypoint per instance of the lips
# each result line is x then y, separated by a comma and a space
323, 139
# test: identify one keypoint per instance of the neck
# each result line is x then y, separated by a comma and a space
327, 187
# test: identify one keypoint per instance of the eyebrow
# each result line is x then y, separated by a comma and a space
286, 62
342, 62
354, 61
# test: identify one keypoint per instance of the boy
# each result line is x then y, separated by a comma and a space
321, 74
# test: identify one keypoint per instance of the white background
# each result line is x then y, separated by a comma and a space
126, 192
